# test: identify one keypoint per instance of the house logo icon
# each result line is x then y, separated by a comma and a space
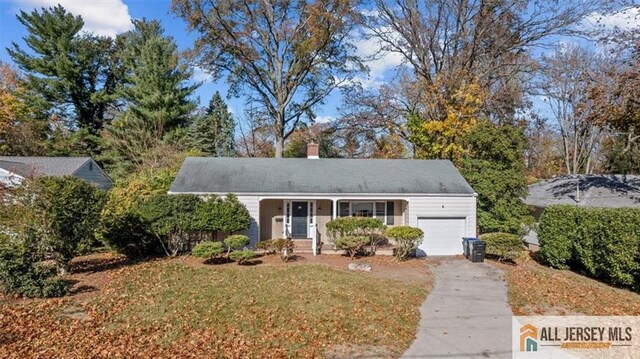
528, 338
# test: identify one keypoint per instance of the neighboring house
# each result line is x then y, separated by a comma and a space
14, 169
604, 191
295, 198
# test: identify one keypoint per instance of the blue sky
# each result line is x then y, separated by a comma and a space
110, 17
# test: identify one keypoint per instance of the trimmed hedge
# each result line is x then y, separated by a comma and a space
372, 228
601, 242
354, 226
503, 246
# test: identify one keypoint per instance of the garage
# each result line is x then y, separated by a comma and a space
442, 236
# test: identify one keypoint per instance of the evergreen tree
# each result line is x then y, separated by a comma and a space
73, 73
155, 89
212, 132
495, 170
155, 92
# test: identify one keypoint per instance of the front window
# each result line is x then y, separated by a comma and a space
380, 210
362, 209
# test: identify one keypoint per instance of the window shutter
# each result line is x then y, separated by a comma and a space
343, 209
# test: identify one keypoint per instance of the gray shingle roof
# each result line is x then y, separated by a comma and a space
43, 166
612, 191
301, 175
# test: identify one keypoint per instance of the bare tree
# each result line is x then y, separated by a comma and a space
255, 139
451, 42
567, 76
285, 56
544, 154
615, 101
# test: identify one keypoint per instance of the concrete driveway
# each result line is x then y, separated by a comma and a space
466, 315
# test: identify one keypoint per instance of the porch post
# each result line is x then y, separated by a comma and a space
334, 212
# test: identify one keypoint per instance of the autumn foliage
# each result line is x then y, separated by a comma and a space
167, 308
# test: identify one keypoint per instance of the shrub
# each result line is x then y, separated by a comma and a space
242, 256
267, 246
284, 247
600, 242
131, 217
236, 242
128, 234
353, 245
222, 214
171, 219
121, 227
61, 213
559, 227
208, 249
503, 246
234, 216
21, 274
372, 228
406, 239
55, 287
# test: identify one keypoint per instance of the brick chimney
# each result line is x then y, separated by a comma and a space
313, 150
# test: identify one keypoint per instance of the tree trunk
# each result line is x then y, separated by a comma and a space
279, 147
280, 131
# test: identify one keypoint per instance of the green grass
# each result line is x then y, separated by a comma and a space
285, 310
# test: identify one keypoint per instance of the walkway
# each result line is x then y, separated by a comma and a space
466, 315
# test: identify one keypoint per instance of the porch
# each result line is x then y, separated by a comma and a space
304, 219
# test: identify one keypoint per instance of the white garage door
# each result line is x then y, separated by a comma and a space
442, 236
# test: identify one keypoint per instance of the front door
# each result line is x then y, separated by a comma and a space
299, 224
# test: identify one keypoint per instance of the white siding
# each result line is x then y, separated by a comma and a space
253, 206
9, 178
417, 207
444, 207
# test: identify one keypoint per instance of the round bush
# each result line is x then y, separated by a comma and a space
503, 246
208, 249
243, 255
406, 239
236, 241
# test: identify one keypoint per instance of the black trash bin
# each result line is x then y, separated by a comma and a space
466, 245
477, 253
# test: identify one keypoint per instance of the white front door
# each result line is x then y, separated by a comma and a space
442, 236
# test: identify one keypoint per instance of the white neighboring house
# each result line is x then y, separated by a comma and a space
14, 169
295, 198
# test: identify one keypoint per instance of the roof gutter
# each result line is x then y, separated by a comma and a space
315, 194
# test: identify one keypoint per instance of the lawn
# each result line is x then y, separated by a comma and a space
538, 290
181, 308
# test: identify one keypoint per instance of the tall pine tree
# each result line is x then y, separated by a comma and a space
156, 93
75, 74
212, 132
